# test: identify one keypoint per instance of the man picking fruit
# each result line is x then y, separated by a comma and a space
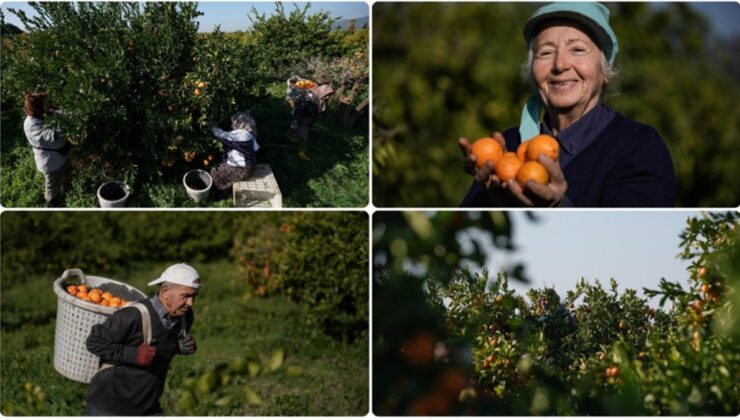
133, 371
601, 158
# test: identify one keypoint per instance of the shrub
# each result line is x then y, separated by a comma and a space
593, 352
319, 259
283, 39
137, 85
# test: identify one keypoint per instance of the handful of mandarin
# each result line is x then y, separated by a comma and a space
522, 165
95, 295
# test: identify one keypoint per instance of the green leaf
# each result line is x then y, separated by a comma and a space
253, 367
294, 371
251, 396
276, 360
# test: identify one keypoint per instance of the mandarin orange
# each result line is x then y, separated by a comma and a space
486, 149
508, 166
543, 145
532, 171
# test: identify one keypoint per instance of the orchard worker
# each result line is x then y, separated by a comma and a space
307, 101
49, 148
133, 372
240, 151
605, 159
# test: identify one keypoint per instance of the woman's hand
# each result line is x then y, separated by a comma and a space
539, 195
485, 174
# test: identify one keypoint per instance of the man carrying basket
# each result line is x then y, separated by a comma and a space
135, 352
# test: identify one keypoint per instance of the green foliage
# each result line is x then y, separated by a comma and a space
96, 242
319, 259
125, 75
230, 330
140, 88
594, 352
435, 244
444, 71
282, 40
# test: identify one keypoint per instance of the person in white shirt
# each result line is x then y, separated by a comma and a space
50, 148
240, 147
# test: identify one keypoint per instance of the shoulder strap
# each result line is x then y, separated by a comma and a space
146, 321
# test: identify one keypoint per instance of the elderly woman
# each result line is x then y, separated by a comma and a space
50, 148
240, 147
606, 159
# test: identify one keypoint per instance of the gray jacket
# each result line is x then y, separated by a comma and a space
45, 140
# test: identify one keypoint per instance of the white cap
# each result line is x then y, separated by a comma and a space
182, 274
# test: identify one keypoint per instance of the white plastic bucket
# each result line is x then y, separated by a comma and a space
113, 194
75, 318
198, 184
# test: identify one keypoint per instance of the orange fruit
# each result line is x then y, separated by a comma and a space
486, 149
703, 272
107, 296
521, 151
545, 145
201, 84
98, 291
206, 162
534, 171
196, 92
82, 288
705, 288
508, 166
82, 295
105, 303
116, 301
72, 289
95, 296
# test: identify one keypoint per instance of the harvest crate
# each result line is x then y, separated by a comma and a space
260, 190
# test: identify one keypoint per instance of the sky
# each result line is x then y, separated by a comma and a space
232, 15
636, 248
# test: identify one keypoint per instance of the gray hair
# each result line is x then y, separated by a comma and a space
607, 70
244, 121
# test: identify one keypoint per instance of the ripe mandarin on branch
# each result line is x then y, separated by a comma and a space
486, 149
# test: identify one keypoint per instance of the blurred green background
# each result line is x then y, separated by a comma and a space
447, 70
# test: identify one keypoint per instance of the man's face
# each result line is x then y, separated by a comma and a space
177, 299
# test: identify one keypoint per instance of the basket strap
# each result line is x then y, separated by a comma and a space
146, 321
74, 272
146, 326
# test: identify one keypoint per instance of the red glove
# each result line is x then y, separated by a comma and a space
145, 354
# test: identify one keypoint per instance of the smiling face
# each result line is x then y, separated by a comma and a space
177, 299
567, 68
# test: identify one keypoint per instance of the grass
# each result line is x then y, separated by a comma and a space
336, 174
319, 376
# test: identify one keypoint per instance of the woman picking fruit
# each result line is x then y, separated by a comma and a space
240, 147
133, 372
49, 148
607, 159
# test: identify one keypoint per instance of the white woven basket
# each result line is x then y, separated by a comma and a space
75, 318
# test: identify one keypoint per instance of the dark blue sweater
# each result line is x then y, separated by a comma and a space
627, 165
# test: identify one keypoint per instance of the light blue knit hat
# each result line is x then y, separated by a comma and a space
595, 17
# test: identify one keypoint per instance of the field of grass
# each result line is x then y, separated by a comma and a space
335, 173
318, 376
